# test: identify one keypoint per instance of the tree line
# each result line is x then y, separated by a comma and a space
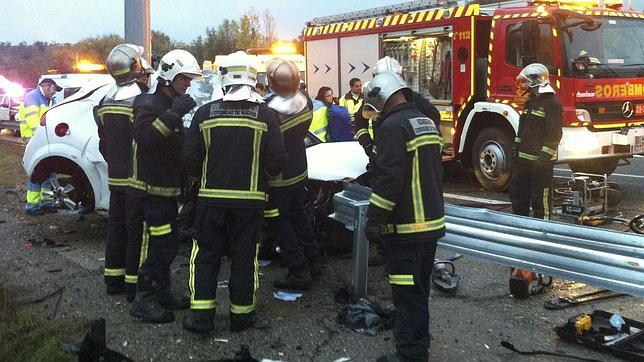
25, 63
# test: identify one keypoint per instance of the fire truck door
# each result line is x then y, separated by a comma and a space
322, 65
358, 55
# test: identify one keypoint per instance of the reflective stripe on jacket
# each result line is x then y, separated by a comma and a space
293, 128
540, 128
407, 174
114, 121
157, 167
233, 147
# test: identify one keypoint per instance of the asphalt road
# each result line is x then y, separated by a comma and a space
466, 326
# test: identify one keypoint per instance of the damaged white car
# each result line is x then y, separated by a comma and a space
66, 142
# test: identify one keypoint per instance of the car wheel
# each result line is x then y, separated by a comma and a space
71, 192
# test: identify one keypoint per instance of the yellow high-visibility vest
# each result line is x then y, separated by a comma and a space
30, 111
320, 123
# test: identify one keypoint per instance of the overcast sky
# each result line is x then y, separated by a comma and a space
68, 21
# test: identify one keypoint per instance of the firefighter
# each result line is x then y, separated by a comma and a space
287, 222
157, 175
352, 101
232, 145
366, 127
35, 103
114, 116
406, 206
534, 154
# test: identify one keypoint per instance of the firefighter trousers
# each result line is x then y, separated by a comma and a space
116, 243
157, 215
531, 185
410, 266
225, 231
291, 228
137, 240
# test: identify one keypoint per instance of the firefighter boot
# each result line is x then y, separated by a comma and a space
200, 321
296, 280
241, 322
169, 301
146, 305
130, 292
525, 283
114, 285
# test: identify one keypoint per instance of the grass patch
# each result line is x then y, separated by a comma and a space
27, 337
11, 171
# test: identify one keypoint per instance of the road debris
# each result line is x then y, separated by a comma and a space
286, 296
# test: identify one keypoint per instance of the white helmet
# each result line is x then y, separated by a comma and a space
387, 64
381, 87
534, 75
237, 69
175, 62
178, 61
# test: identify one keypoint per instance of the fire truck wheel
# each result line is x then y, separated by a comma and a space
597, 166
491, 153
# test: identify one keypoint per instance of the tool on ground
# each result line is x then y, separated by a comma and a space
524, 283
606, 332
444, 274
573, 300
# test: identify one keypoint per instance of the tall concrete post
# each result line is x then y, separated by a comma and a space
137, 25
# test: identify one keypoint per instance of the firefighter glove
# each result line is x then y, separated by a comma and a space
182, 105
375, 232
368, 148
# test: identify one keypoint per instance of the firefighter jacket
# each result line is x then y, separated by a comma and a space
234, 147
293, 129
320, 123
156, 148
351, 104
407, 196
114, 119
540, 128
365, 127
30, 111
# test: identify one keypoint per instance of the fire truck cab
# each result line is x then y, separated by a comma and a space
465, 57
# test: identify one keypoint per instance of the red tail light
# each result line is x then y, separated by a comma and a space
62, 129
43, 119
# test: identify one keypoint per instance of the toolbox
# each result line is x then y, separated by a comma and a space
597, 332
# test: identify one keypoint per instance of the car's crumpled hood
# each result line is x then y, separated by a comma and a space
336, 161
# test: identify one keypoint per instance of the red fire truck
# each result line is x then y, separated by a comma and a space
465, 58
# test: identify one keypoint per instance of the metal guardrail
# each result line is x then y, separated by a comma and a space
604, 258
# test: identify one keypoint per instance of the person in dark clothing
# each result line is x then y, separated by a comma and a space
114, 116
406, 210
286, 220
534, 154
157, 178
233, 145
366, 127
